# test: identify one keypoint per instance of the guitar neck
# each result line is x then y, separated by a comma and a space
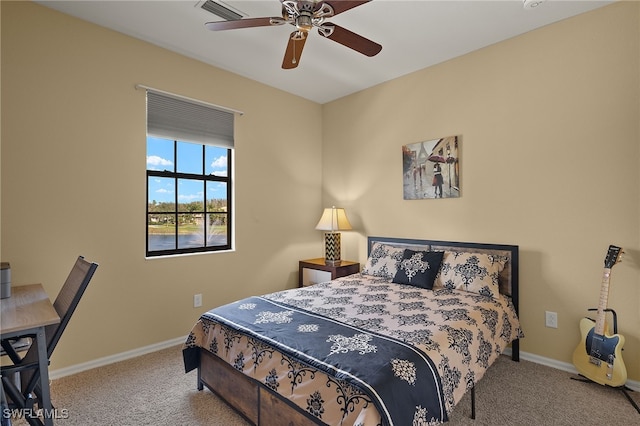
602, 304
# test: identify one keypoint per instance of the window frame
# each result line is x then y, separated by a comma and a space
204, 178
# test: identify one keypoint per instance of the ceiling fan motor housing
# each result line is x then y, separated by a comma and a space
305, 14
304, 22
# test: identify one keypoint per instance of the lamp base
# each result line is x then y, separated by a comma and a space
332, 247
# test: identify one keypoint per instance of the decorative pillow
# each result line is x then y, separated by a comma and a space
383, 260
472, 272
419, 268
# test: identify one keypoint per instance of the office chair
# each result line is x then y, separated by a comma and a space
27, 367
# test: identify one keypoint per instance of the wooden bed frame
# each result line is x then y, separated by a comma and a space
261, 406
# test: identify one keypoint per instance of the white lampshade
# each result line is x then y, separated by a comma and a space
334, 219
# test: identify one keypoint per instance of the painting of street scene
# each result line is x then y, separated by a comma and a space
431, 169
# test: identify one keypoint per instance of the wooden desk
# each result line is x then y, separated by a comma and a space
27, 312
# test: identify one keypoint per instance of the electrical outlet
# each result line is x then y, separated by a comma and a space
551, 319
197, 300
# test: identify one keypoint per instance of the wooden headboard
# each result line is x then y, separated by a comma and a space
508, 279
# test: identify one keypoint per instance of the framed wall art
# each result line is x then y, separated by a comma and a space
431, 169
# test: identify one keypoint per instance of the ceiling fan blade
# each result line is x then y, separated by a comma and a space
294, 50
243, 23
349, 39
340, 6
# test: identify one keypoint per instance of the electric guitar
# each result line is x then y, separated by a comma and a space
598, 355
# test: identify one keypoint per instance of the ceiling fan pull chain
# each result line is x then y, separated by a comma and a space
293, 60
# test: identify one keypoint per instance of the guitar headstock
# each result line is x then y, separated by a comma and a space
614, 255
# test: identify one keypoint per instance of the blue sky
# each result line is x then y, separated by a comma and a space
160, 156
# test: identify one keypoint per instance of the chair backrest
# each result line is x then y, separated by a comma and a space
65, 304
68, 299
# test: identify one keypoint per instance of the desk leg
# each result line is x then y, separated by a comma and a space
4, 415
43, 364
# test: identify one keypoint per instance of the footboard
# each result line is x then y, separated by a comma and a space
254, 401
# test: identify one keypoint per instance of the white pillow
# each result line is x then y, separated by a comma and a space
472, 272
383, 260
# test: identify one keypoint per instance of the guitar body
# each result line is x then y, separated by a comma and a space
599, 357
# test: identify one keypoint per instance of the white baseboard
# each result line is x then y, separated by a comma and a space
67, 371
564, 366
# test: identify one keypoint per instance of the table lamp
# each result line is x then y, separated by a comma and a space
332, 220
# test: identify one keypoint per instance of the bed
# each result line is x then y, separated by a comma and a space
398, 343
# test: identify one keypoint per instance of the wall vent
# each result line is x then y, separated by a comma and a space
220, 10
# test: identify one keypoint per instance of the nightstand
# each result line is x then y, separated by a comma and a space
314, 271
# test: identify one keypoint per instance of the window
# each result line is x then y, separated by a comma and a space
189, 186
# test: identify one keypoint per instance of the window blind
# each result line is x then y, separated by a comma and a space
179, 119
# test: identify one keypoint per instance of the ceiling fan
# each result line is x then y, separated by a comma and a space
304, 15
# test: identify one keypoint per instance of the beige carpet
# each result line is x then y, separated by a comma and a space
154, 390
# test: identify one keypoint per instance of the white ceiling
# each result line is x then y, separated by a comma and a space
414, 35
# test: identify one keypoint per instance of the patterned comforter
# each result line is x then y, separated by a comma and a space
460, 333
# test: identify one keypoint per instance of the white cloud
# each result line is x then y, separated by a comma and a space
220, 162
219, 166
218, 188
190, 197
155, 161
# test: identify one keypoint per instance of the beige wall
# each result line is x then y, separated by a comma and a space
550, 158
73, 180
550, 153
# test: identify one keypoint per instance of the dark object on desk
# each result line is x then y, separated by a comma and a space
5, 280
65, 304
